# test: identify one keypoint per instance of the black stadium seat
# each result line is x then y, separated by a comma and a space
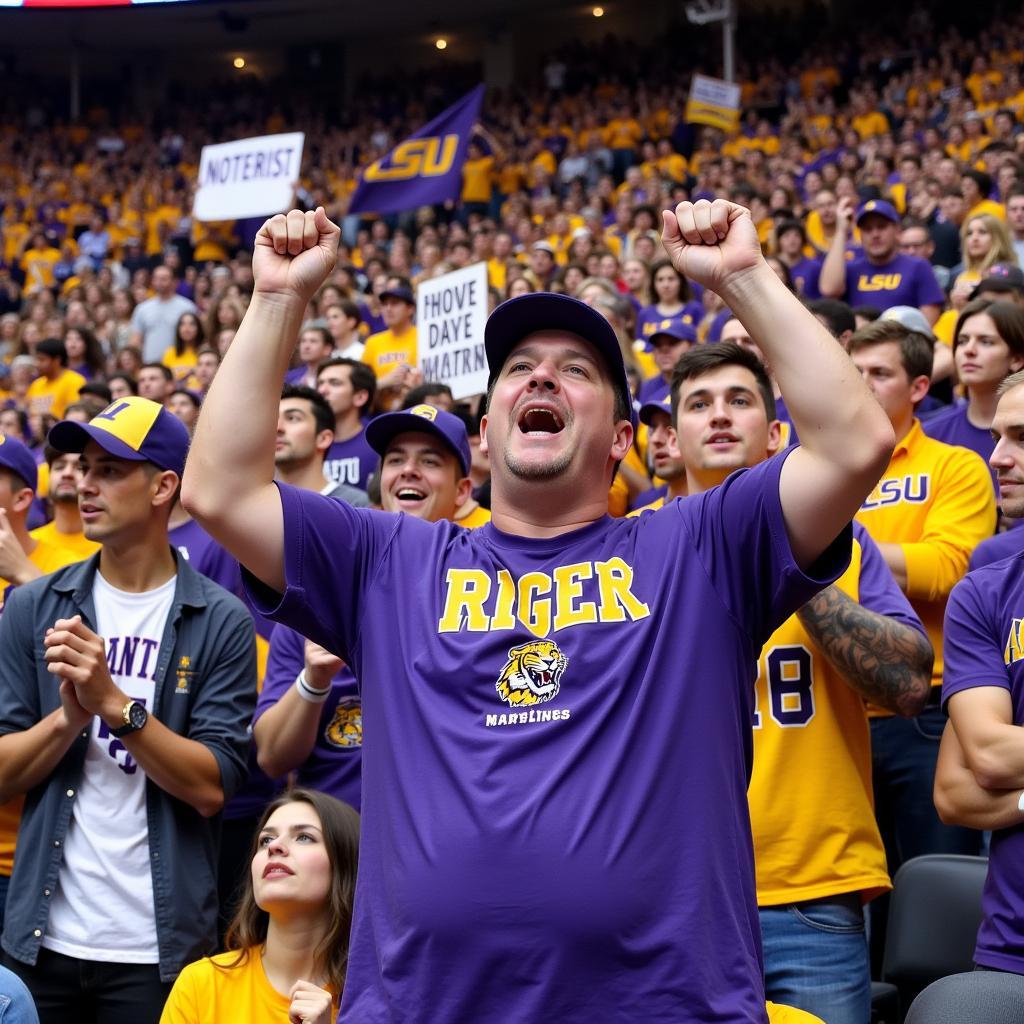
933, 925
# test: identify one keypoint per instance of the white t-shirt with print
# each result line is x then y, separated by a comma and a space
103, 907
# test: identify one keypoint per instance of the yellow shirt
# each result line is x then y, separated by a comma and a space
869, 125
936, 501
47, 558
618, 493
476, 518
38, 265
624, 133
386, 350
75, 544
811, 810
477, 177
181, 366
54, 396
210, 992
497, 273
988, 206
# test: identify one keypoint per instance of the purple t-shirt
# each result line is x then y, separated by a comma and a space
555, 758
649, 321
351, 462
804, 276
206, 556
995, 549
983, 645
951, 426
902, 281
335, 764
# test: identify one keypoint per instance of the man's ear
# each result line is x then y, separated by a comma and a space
324, 440
463, 491
919, 388
166, 490
21, 500
483, 434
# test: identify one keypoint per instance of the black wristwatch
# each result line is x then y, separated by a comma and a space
135, 717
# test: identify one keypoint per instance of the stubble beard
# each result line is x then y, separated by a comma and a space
532, 471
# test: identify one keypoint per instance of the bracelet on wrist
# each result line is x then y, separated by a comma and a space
310, 693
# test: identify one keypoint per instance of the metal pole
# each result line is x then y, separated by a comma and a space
729, 42
75, 92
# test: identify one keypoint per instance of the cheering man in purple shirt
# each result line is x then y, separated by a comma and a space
882, 277
980, 772
557, 705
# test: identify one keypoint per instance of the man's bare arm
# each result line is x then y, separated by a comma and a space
960, 800
993, 746
846, 438
887, 662
228, 484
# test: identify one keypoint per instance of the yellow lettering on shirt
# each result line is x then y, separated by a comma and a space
541, 602
1014, 647
879, 282
568, 590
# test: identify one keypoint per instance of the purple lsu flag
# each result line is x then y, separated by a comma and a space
424, 169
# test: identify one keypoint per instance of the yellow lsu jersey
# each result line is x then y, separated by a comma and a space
811, 808
936, 501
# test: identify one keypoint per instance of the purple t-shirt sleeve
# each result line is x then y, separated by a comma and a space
740, 534
929, 293
331, 552
877, 590
972, 650
285, 660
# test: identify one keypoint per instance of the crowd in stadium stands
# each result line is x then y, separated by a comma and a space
887, 194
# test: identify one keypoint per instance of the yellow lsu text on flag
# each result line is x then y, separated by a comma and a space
416, 158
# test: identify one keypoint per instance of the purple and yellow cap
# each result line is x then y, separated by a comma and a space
133, 428
524, 315
423, 419
15, 456
648, 409
879, 206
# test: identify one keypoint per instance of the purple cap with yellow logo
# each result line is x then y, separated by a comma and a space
131, 428
15, 456
880, 207
648, 409
422, 419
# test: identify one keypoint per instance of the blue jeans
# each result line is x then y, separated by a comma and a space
903, 755
816, 958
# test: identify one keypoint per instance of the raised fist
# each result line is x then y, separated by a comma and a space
711, 242
294, 254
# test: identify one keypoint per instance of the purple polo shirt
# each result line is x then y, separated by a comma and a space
995, 549
951, 426
555, 758
902, 281
983, 645
335, 764
351, 462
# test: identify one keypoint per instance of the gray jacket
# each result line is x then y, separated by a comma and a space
205, 690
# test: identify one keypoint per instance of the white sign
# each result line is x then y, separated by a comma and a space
248, 178
450, 315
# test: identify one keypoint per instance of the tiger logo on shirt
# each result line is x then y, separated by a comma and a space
532, 674
345, 729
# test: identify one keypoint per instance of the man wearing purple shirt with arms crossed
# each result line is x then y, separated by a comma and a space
554, 772
980, 773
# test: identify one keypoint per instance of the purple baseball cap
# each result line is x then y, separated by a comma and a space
879, 206
133, 428
648, 409
15, 456
524, 315
399, 292
677, 330
423, 419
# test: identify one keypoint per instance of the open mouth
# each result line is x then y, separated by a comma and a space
723, 438
410, 494
538, 420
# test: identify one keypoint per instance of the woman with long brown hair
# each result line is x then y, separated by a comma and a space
288, 941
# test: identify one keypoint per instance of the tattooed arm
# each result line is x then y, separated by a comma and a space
886, 661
